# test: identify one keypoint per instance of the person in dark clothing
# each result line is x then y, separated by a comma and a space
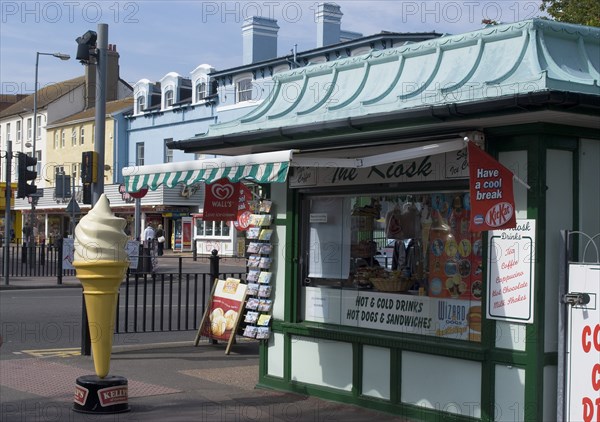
160, 237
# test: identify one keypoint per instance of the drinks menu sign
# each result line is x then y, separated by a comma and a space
511, 273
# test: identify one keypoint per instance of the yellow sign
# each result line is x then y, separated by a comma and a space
3, 193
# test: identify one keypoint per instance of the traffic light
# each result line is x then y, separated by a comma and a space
85, 43
89, 167
25, 175
87, 194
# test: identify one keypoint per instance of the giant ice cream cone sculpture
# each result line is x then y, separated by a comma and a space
101, 262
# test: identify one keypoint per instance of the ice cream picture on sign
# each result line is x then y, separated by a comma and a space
101, 262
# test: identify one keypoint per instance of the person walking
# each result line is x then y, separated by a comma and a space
148, 233
160, 239
149, 252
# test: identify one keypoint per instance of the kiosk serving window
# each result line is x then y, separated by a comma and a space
395, 262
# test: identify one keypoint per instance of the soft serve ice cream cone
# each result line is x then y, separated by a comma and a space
101, 262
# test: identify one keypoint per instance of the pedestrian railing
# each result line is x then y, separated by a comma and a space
38, 260
164, 302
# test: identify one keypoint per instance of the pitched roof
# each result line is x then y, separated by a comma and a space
498, 62
45, 96
89, 114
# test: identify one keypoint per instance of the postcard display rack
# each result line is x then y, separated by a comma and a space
259, 250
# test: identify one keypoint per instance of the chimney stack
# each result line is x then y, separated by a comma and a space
112, 78
259, 39
329, 21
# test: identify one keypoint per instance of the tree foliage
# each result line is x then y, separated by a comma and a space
583, 12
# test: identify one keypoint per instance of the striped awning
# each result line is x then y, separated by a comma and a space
270, 167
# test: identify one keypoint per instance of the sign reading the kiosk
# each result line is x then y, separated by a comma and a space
511, 273
491, 189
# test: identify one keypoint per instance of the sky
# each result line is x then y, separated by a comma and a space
154, 38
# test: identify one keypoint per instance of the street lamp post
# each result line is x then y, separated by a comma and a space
33, 151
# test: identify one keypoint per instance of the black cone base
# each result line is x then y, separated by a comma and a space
101, 395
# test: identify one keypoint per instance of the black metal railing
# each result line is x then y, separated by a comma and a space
39, 260
164, 302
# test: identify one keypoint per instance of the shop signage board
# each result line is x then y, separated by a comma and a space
221, 201
491, 189
451, 165
511, 273
401, 313
222, 316
583, 346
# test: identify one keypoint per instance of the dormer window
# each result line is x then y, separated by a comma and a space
169, 98
200, 91
244, 90
141, 104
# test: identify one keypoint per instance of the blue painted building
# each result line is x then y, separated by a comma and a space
179, 107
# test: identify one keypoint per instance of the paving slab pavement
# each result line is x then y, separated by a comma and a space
167, 382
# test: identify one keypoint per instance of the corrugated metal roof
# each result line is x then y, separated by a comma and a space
495, 62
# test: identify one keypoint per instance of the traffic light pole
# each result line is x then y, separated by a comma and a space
7, 222
100, 117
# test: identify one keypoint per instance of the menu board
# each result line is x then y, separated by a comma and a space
222, 315
511, 273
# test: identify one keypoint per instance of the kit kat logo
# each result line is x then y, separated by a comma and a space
111, 396
81, 394
499, 214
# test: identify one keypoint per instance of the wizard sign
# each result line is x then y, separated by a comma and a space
491, 189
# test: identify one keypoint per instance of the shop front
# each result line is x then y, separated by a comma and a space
383, 294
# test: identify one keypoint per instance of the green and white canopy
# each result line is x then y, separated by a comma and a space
271, 167
268, 167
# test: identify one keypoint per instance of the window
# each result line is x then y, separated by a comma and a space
82, 136
62, 138
29, 129
18, 131
38, 166
75, 172
141, 104
244, 90
200, 91
168, 98
139, 154
38, 129
168, 155
74, 137
411, 253
56, 140
8, 132
212, 228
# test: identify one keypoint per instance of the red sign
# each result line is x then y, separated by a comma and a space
243, 217
491, 187
81, 394
111, 396
221, 201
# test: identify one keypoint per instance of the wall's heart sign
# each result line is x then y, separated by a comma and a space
222, 191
